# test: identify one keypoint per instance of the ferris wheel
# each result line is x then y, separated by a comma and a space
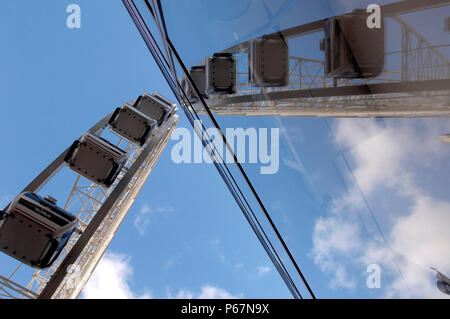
61, 242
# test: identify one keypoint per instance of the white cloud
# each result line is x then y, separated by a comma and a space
146, 213
206, 292
427, 230
262, 270
183, 294
335, 237
384, 152
391, 163
110, 279
210, 292
423, 236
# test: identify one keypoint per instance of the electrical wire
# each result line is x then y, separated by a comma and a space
211, 116
219, 163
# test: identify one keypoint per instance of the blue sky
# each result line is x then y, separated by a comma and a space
56, 83
185, 236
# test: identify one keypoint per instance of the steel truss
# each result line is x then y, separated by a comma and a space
100, 212
418, 88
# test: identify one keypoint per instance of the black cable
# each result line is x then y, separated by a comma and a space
173, 50
245, 177
276, 260
289, 279
286, 277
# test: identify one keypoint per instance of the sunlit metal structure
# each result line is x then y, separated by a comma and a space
309, 94
419, 88
100, 211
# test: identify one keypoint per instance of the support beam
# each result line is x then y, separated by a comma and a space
56, 165
58, 277
350, 90
396, 8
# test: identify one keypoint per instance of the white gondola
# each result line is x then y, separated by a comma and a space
96, 159
155, 106
221, 74
131, 124
268, 62
34, 230
197, 74
352, 50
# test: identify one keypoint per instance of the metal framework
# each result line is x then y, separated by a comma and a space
100, 213
418, 87
11, 290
